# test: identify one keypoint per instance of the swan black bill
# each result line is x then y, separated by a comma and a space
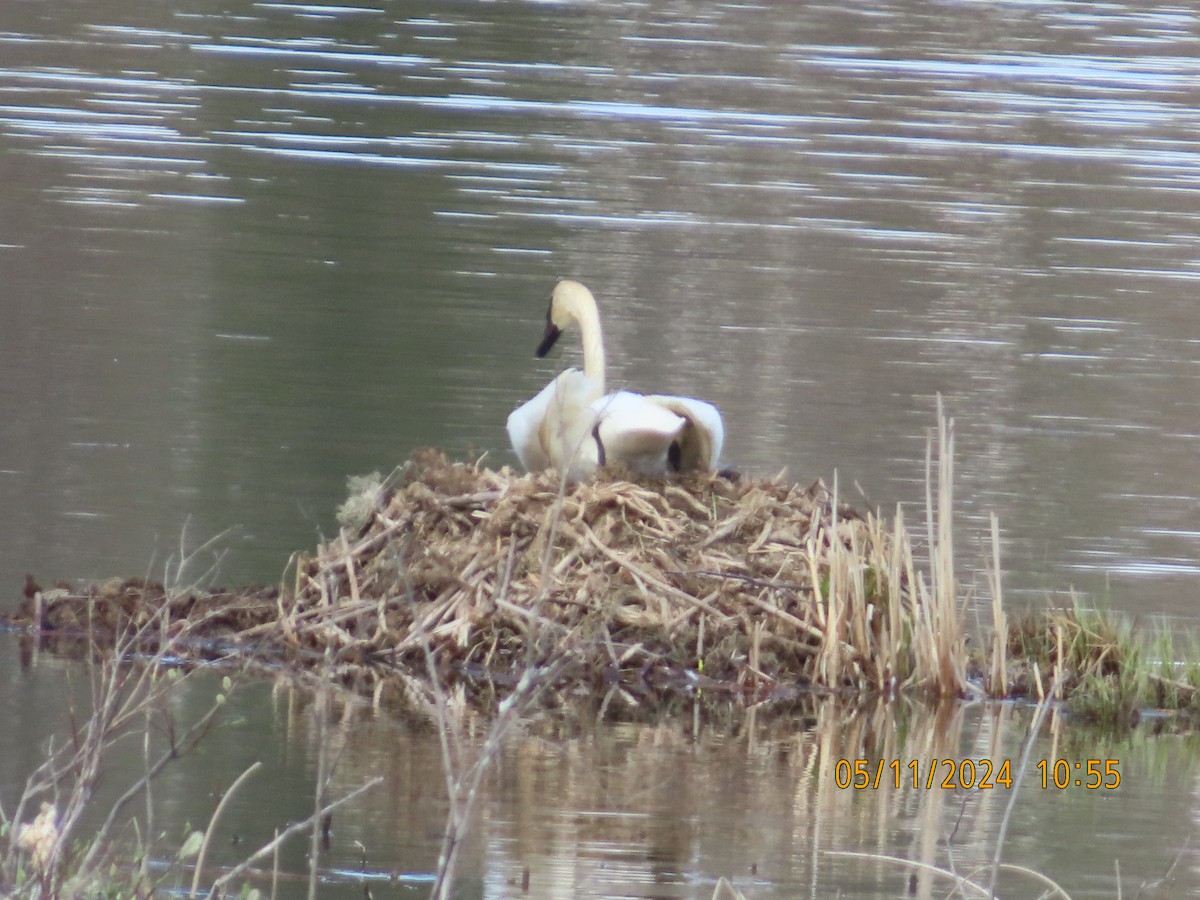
548, 339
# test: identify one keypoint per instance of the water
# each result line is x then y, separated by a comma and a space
662, 807
246, 253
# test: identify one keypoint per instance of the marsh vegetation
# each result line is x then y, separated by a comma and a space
460, 591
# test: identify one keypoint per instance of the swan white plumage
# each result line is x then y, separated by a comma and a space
572, 424
554, 429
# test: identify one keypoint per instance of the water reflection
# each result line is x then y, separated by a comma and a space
625, 803
248, 252
611, 799
662, 808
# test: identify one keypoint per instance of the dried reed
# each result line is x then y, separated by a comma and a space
788, 586
657, 585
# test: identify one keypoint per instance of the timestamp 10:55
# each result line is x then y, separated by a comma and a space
1091, 773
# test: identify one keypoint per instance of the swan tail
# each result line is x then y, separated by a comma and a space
702, 437
636, 433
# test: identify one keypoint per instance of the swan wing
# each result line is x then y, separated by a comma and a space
636, 433
554, 428
524, 430
704, 434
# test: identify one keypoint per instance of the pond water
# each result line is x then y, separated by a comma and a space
247, 251
641, 805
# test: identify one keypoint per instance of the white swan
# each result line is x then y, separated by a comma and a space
571, 424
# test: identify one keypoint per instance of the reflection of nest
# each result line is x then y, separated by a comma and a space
651, 584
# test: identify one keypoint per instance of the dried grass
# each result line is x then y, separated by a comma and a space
753, 583
706, 582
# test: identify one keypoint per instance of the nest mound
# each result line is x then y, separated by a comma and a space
651, 584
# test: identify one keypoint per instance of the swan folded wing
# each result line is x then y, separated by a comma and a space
554, 428
702, 437
636, 433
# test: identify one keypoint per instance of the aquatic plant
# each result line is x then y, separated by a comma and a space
131, 662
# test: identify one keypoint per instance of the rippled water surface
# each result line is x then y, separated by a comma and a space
248, 250
246, 254
650, 807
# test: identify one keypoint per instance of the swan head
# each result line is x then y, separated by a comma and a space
570, 303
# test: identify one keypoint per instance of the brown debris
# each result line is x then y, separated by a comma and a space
651, 584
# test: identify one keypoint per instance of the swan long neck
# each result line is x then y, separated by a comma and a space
593, 344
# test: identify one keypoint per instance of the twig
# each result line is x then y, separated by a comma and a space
314, 849
795, 622
212, 825
180, 748
648, 578
749, 579
959, 881
1054, 886
1170, 682
1034, 727
478, 499
288, 832
1155, 885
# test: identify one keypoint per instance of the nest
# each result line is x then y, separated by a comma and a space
709, 581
